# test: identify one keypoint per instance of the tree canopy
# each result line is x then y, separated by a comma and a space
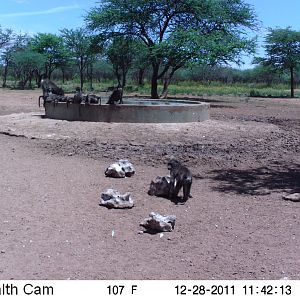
52, 46
282, 51
79, 43
25, 63
121, 53
178, 32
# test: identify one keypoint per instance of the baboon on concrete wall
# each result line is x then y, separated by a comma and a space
116, 96
50, 88
78, 97
92, 99
181, 176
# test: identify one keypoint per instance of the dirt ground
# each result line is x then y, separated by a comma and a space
236, 226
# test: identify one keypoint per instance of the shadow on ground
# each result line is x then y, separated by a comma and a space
259, 181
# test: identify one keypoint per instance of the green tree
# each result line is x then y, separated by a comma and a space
140, 63
15, 43
178, 32
25, 64
5, 36
121, 53
282, 52
80, 44
53, 48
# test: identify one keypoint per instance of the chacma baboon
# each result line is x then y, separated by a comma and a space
50, 88
92, 99
116, 96
78, 96
181, 176
47, 85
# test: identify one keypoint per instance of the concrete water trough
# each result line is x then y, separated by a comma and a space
131, 111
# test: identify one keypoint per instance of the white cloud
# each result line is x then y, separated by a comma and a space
20, 1
54, 10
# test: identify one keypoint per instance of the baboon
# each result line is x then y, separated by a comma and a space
116, 96
92, 99
49, 88
48, 85
78, 96
181, 176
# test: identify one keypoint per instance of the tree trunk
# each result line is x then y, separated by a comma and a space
292, 82
118, 78
124, 74
164, 93
81, 74
90, 75
63, 75
30, 80
154, 79
167, 82
141, 76
5, 75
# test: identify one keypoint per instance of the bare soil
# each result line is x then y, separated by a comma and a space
236, 226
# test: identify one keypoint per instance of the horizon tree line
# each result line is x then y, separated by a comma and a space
158, 38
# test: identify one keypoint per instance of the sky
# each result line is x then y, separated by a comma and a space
49, 16
46, 16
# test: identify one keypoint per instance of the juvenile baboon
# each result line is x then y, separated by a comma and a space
116, 96
181, 176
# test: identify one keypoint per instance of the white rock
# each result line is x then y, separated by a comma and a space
115, 171
159, 223
127, 167
122, 168
160, 186
292, 197
113, 199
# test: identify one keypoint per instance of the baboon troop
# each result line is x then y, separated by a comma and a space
181, 176
53, 93
116, 96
